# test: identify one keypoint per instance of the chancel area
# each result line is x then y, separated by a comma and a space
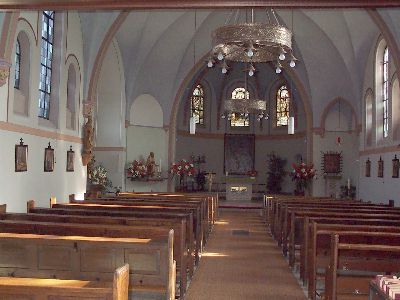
199, 150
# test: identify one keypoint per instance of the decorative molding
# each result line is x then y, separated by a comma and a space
30, 25
203, 135
110, 149
98, 63
387, 35
4, 71
380, 150
39, 132
144, 4
88, 108
328, 108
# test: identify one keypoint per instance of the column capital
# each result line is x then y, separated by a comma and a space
88, 106
4, 71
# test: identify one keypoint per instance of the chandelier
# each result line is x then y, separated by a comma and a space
251, 43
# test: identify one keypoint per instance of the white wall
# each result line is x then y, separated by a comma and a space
213, 149
110, 116
140, 142
348, 147
375, 189
19, 187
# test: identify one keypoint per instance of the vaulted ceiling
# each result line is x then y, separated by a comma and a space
333, 46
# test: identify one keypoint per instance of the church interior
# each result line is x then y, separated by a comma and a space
249, 135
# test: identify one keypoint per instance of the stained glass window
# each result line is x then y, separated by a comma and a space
238, 119
197, 104
17, 65
282, 106
46, 58
385, 92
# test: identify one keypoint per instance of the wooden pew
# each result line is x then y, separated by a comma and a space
95, 226
145, 211
12, 288
320, 245
375, 252
198, 203
301, 231
358, 209
199, 215
300, 221
92, 258
209, 199
93, 210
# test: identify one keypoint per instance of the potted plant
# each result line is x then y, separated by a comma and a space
136, 170
276, 173
302, 174
182, 170
97, 177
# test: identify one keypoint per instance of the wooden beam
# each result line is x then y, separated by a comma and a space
182, 4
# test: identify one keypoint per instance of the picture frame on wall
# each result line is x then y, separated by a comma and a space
368, 168
395, 166
49, 159
70, 160
380, 167
332, 163
21, 157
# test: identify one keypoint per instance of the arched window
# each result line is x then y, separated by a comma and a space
282, 106
17, 65
71, 98
197, 104
46, 58
238, 119
385, 91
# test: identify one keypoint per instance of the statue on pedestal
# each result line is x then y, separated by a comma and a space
88, 137
151, 165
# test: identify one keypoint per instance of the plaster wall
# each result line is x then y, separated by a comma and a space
141, 141
323, 186
213, 149
19, 187
375, 189
110, 116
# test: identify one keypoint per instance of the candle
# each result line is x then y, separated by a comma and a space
159, 166
348, 183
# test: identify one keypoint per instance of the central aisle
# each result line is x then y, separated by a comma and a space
241, 261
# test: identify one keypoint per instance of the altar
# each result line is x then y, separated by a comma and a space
239, 188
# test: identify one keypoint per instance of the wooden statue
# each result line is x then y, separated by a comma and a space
88, 137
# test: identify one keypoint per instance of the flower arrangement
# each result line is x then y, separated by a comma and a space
302, 175
136, 169
97, 175
182, 168
252, 173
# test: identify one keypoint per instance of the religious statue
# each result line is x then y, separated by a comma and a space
87, 141
151, 165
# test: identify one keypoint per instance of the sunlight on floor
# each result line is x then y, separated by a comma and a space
221, 222
213, 254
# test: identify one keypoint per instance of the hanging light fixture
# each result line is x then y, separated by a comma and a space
291, 125
246, 105
192, 125
252, 42
192, 120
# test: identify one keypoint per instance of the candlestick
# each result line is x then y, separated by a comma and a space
348, 183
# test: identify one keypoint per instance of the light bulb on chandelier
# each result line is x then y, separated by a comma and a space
251, 42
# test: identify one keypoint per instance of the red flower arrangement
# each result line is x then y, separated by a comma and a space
252, 173
302, 175
183, 167
137, 169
